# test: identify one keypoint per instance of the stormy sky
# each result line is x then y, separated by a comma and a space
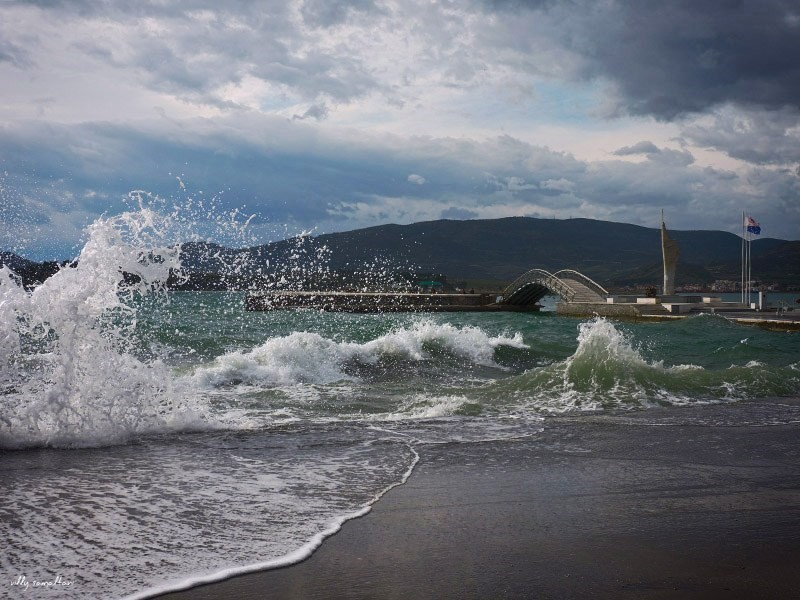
327, 115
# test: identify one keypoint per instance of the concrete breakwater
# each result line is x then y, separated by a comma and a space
647, 309
380, 302
615, 307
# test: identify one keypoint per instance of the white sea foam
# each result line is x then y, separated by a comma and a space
142, 519
70, 374
316, 516
754, 364
298, 357
428, 407
311, 358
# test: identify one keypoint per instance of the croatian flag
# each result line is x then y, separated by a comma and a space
752, 226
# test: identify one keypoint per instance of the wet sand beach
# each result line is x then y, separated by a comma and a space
699, 504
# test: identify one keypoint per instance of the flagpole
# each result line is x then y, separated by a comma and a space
747, 266
664, 274
749, 269
743, 259
748, 238
751, 228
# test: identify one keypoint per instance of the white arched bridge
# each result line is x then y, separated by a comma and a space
569, 285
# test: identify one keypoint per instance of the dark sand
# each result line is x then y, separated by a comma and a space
609, 507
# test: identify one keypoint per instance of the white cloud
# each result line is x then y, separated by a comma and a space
559, 185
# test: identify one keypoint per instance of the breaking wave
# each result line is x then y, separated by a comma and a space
305, 357
608, 371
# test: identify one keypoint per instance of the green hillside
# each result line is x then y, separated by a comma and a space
614, 254
501, 249
494, 250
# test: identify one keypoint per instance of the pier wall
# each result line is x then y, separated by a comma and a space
378, 302
590, 309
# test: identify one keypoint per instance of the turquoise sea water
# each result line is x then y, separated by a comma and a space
155, 440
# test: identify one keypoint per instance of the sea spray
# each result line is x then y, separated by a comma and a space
12, 299
70, 374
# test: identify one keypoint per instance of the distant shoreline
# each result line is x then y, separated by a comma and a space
620, 256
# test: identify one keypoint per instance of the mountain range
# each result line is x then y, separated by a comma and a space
614, 254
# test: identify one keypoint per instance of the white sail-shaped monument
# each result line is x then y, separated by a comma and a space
670, 251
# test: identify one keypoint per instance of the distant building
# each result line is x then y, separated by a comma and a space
725, 285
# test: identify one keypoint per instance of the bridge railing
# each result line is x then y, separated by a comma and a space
544, 278
590, 283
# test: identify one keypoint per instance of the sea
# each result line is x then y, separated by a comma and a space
153, 440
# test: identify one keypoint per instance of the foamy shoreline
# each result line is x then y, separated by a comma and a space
602, 508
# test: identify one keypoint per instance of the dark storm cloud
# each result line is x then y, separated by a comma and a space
289, 180
672, 58
643, 147
284, 171
755, 136
734, 61
664, 59
668, 59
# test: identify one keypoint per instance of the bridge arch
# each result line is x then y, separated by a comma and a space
567, 284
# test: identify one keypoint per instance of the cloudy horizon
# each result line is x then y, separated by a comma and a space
326, 115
